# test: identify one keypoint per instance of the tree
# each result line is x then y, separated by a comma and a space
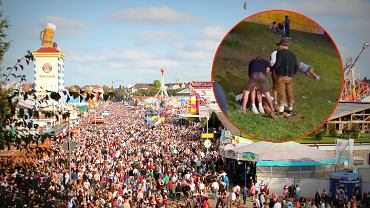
332, 131
354, 131
4, 45
157, 84
120, 93
173, 92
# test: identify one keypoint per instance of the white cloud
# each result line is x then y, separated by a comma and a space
85, 58
157, 36
146, 66
193, 54
202, 47
149, 15
132, 54
214, 32
209, 45
63, 22
128, 54
328, 7
66, 26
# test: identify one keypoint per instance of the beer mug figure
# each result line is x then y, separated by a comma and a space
47, 35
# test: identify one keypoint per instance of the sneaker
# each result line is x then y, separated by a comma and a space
242, 110
290, 112
254, 110
279, 113
317, 78
261, 110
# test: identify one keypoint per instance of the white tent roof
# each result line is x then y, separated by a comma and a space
287, 151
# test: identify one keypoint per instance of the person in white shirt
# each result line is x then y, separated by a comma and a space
273, 75
256, 203
233, 199
201, 187
307, 70
215, 188
277, 205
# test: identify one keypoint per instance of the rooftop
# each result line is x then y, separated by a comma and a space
48, 50
346, 108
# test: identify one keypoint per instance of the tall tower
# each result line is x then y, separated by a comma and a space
162, 89
49, 64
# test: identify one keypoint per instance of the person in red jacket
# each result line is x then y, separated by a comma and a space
205, 202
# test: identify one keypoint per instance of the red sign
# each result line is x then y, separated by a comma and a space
201, 85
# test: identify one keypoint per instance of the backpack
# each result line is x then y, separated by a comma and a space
226, 179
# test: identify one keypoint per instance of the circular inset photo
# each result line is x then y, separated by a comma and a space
277, 75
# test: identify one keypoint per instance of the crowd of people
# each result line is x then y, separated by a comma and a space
121, 163
283, 28
125, 163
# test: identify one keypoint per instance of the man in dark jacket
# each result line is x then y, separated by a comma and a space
258, 69
285, 67
245, 193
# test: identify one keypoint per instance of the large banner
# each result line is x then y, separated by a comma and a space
350, 159
341, 146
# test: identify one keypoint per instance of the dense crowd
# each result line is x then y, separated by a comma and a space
127, 163
121, 163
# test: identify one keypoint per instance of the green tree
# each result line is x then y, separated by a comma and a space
151, 91
4, 44
4, 47
354, 131
157, 84
120, 93
332, 131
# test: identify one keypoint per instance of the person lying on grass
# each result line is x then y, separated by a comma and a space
258, 69
263, 106
308, 70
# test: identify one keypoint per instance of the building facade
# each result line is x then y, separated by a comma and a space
48, 70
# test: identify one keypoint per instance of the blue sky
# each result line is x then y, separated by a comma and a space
131, 40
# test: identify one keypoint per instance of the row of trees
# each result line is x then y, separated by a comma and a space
154, 89
353, 131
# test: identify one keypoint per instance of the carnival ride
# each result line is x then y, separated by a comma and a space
355, 89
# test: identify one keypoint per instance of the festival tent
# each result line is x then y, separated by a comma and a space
285, 154
284, 159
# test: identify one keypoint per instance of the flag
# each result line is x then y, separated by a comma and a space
223, 135
350, 159
341, 146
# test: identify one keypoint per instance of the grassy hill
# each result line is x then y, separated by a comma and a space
315, 100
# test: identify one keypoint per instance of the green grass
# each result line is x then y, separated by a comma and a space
332, 140
322, 140
315, 100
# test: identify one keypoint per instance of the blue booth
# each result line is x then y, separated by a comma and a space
345, 182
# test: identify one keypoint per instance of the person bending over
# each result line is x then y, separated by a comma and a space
258, 68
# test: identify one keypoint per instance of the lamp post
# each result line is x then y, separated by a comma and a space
69, 147
116, 81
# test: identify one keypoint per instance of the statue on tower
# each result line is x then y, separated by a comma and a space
47, 35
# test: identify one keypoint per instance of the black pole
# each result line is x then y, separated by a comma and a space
245, 173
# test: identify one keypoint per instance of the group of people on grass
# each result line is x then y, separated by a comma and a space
282, 67
283, 28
